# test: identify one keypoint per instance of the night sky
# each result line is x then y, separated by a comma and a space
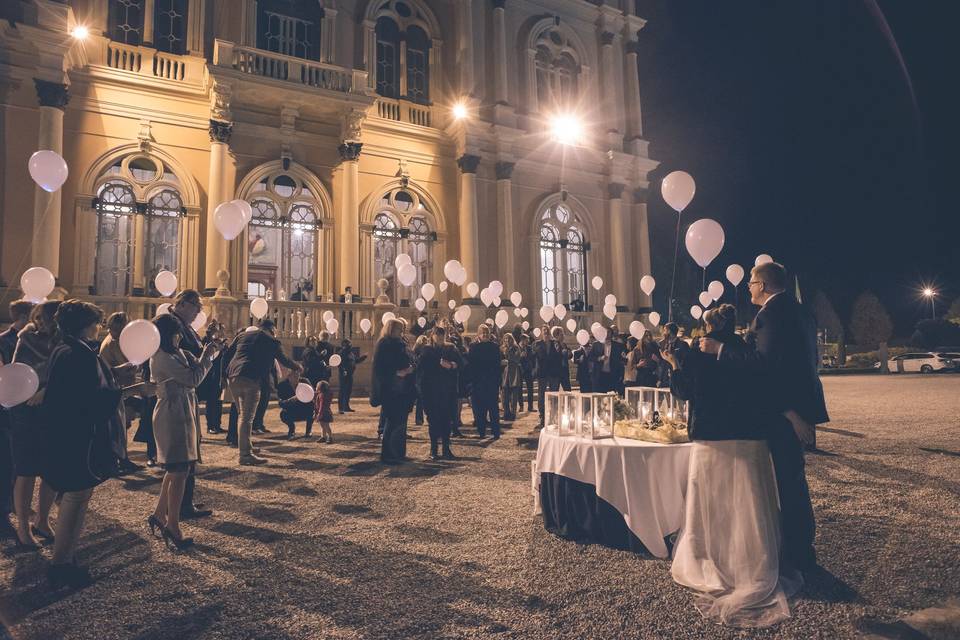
811, 139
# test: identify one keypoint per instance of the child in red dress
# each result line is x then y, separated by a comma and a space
322, 400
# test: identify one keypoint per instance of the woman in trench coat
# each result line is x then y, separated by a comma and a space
176, 424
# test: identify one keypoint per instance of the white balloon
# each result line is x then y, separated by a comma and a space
486, 297
497, 301
37, 283
48, 169
716, 289
654, 318
546, 313
516, 298
496, 287
518, 312
335, 360
139, 340
407, 274
259, 308
647, 284
610, 311
597, 282
452, 304
420, 304
583, 337
443, 286
571, 325
165, 282
401, 259
387, 317
18, 383
704, 241
304, 392
696, 312
525, 325
462, 314
524, 312
366, 325
332, 325
460, 277
245, 209
735, 274
501, 318
228, 219
637, 329
763, 258
251, 329
599, 331
610, 299
327, 315
537, 332
473, 289
560, 312
164, 308
428, 291
452, 269
678, 189
422, 321
705, 299
199, 322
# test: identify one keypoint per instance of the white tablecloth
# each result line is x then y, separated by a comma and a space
644, 481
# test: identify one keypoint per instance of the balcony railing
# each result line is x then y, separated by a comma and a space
404, 111
266, 64
147, 62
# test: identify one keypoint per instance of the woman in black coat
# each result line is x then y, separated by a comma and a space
85, 434
393, 389
438, 377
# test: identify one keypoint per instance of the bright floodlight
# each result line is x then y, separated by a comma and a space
80, 32
459, 111
929, 293
566, 129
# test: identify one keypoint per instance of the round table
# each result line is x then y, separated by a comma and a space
644, 482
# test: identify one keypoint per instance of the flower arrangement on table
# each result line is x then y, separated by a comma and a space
665, 425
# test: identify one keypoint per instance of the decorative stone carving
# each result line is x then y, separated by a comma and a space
353, 125
615, 190
52, 94
504, 170
350, 150
468, 163
403, 173
288, 120
220, 95
144, 136
632, 47
606, 38
640, 196
220, 131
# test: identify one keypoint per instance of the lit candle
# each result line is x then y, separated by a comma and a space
565, 421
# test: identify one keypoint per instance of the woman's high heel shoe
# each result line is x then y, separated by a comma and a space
174, 543
155, 525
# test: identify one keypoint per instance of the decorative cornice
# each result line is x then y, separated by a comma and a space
468, 163
606, 38
350, 151
632, 47
615, 190
52, 94
220, 131
504, 170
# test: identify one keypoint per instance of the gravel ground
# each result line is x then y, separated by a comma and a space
325, 542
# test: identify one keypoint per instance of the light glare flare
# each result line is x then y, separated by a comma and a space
566, 129
80, 32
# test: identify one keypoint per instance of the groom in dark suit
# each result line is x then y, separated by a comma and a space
784, 351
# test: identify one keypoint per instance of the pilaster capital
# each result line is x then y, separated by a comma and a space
468, 163
220, 131
52, 94
606, 38
632, 47
615, 190
350, 151
640, 196
499, 4
504, 170
352, 125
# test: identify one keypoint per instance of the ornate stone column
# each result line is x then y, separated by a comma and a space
465, 46
619, 244
45, 250
500, 85
643, 242
469, 228
608, 83
632, 89
349, 219
219, 190
506, 227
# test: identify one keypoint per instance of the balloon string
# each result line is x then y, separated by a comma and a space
673, 277
28, 253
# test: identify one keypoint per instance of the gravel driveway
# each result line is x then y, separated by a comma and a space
325, 542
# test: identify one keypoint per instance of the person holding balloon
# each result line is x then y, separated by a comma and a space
393, 389
20, 311
350, 357
297, 408
35, 345
438, 371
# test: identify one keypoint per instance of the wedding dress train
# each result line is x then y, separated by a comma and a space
728, 549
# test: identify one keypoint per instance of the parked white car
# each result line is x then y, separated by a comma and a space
925, 362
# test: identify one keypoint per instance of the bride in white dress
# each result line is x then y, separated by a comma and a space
729, 546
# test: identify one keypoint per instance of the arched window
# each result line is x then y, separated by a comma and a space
403, 43
563, 247
170, 26
125, 21
557, 72
290, 27
139, 217
283, 238
402, 226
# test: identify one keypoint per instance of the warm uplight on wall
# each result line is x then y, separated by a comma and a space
566, 129
459, 111
80, 32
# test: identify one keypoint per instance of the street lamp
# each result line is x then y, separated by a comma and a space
566, 129
460, 111
931, 294
80, 32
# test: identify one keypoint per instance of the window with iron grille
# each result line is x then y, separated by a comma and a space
562, 245
170, 26
290, 27
125, 21
402, 226
388, 58
418, 65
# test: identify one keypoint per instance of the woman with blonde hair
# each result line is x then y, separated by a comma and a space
393, 389
511, 377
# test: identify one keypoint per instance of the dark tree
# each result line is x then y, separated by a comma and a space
870, 323
931, 334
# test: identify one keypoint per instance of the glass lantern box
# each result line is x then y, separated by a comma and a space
645, 402
594, 413
568, 413
551, 411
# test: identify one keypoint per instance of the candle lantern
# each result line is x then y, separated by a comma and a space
568, 413
644, 402
551, 411
595, 414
